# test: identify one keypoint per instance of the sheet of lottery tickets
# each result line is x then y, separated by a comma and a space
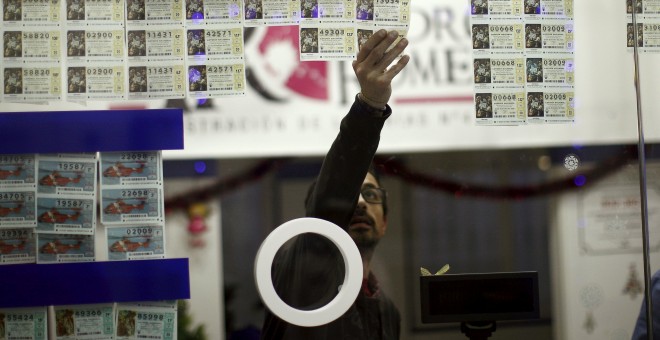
523, 62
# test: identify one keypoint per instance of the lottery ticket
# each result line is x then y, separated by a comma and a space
216, 80
135, 242
135, 323
30, 46
213, 11
95, 45
500, 108
132, 205
157, 80
327, 42
550, 107
54, 248
550, 72
549, 38
270, 12
215, 43
94, 13
497, 38
32, 84
67, 177
166, 43
548, 8
66, 215
41, 45
130, 168
17, 246
17, 171
85, 322
499, 73
495, 8
20, 13
24, 323
327, 11
17, 209
386, 12
101, 82
154, 12
648, 37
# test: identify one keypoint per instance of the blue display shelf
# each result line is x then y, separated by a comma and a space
32, 285
91, 131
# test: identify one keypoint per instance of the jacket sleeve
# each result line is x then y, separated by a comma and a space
338, 184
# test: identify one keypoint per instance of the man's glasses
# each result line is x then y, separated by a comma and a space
373, 195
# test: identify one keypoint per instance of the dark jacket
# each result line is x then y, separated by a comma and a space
309, 271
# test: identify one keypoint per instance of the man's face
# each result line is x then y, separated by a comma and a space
369, 222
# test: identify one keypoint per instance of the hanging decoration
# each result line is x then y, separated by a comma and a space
396, 168
197, 213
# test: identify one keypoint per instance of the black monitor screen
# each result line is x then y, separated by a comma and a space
484, 297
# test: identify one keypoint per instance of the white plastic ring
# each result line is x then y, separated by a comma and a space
349, 289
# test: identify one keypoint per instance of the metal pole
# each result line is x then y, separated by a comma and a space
642, 185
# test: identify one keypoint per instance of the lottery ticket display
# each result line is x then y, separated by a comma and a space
66, 207
647, 16
132, 204
523, 61
18, 208
115, 50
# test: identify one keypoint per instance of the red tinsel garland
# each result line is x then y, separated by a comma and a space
394, 167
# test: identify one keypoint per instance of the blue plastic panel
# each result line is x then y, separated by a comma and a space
91, 131
31, 285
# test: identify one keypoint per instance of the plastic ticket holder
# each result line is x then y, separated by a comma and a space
478, 301
349, 289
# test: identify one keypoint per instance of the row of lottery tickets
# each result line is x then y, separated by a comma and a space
647, 17
523, 59
107, 50
48, 206
119, 321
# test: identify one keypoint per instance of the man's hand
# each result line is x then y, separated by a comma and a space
371, 65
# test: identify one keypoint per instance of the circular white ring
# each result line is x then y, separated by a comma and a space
349, 289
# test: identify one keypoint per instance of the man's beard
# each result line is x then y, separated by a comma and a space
364, 241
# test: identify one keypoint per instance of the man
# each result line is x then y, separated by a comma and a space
308, 273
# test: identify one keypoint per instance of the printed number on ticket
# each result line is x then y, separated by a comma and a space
145, 323
85, 322
497, 38
66, 216
500, 108
550, 107
216, 80
135, 242
158, 80
67, 178
28, 323
127, 168
135, 205
327, 42
499, 73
